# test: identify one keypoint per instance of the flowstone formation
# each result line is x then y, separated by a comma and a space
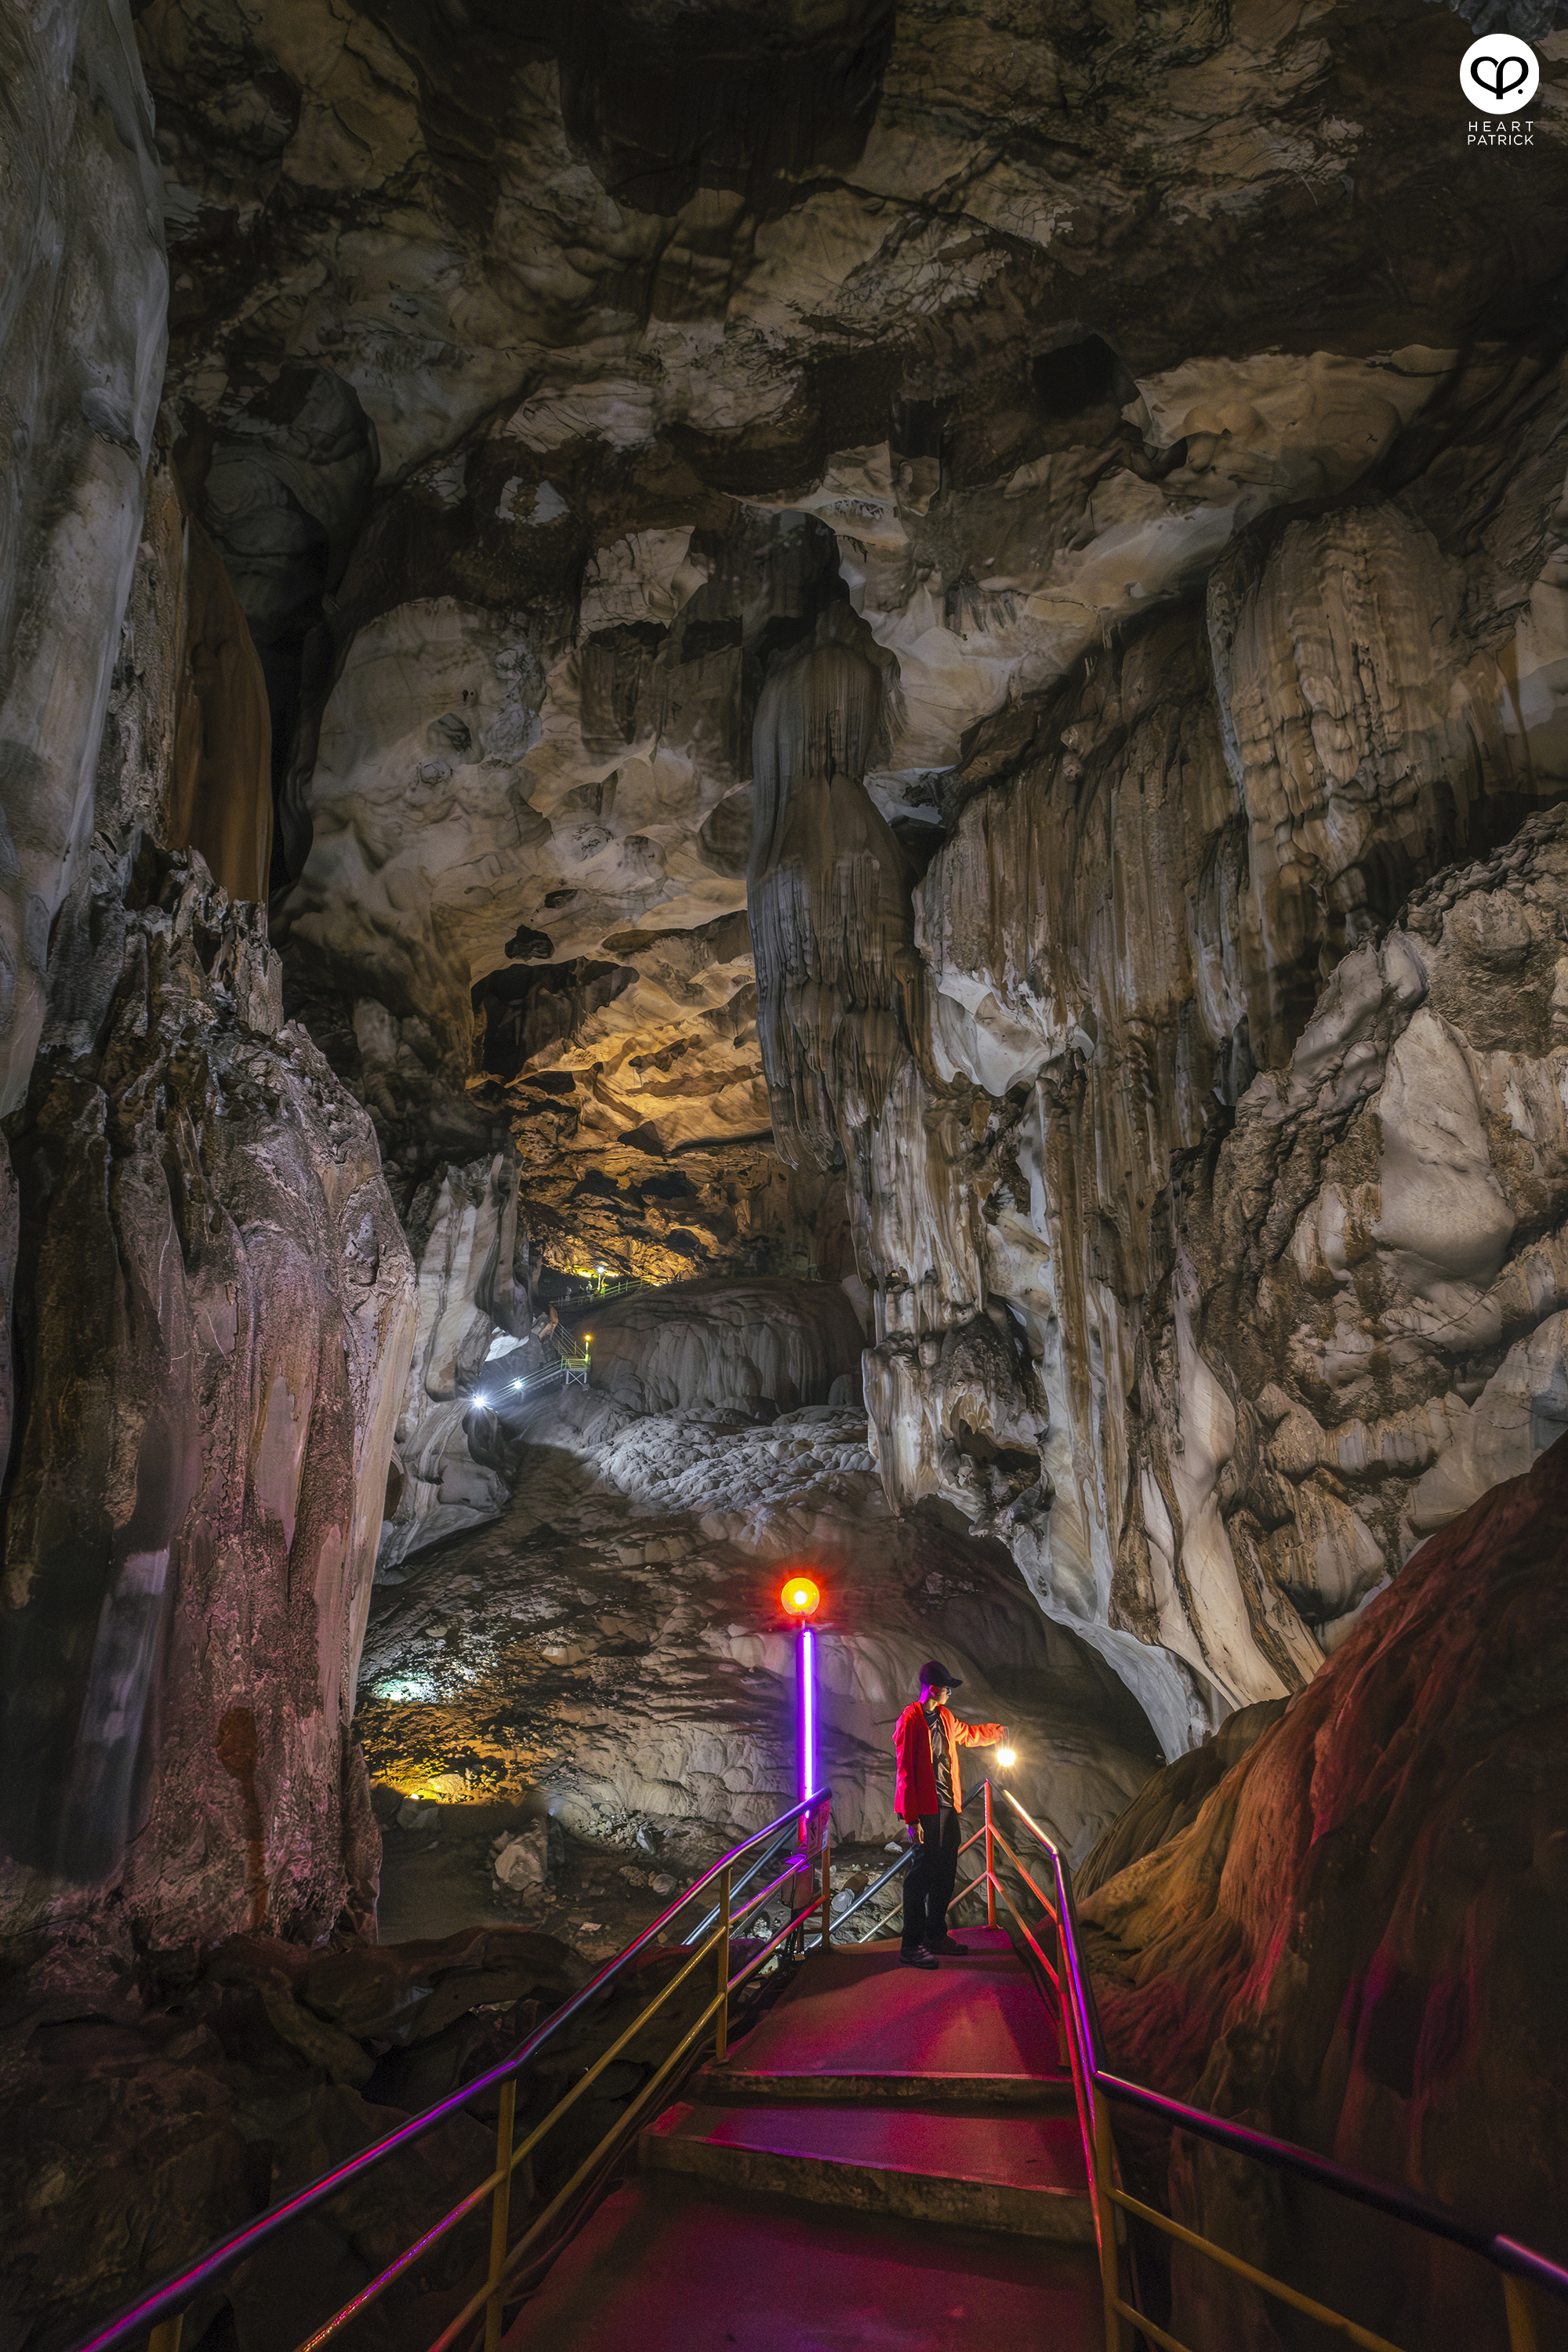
1068, 1068
1347, 1945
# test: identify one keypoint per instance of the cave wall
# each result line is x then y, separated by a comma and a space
82, 342
951, 680
1157, 933
209, 1299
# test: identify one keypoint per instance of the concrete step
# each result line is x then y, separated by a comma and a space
728, 2085
667, 2264
971, 2167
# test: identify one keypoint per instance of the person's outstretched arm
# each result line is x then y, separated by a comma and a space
980, 1735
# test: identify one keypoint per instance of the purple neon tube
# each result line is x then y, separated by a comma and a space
805, 1703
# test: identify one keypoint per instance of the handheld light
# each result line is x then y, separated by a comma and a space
1005, 1756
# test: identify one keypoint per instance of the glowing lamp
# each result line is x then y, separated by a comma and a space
1005, 1756
800, 1599
480, 1403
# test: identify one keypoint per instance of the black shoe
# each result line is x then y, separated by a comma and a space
935, 1944
915, 1957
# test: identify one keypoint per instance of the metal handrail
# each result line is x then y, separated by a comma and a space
894, 1867
696, 1934
1506, 2255
875, 1888
157, 2312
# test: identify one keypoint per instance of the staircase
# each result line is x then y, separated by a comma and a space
890, 2158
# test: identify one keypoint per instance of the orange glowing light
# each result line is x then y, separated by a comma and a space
802, 1597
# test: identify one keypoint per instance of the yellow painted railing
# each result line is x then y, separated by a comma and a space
159, 2315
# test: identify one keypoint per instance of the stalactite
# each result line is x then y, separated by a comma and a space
832, 927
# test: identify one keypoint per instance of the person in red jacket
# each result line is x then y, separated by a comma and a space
929, 1796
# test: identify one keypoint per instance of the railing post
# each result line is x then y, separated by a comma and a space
501, 2211
826, 1887
990, 1865
166, 2337
1105, 2218
721, 2030
1520, 2305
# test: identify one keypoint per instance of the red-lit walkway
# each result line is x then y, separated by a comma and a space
890, 2160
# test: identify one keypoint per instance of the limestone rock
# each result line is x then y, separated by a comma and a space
724, 1346
216, 1308
80, 378
153, 2113
1365, 1318
789, 615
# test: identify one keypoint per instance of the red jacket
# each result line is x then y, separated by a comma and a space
914, 1790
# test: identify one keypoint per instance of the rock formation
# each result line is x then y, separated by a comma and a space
212, 1308
214, 1299
1351, 1945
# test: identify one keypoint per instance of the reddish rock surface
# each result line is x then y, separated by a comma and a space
1360, 1943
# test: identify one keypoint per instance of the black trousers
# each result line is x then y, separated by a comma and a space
929, 1880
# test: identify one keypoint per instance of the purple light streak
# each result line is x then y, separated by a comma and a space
807, 1699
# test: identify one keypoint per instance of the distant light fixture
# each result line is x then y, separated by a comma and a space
480, 1402
802, 1597
517, 1384
1006, 1756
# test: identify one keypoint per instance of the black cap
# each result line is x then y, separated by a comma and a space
934, 1675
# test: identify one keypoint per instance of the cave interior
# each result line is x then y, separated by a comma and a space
783, 785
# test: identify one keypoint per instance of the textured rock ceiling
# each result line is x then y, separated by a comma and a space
925, 644
508, 351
